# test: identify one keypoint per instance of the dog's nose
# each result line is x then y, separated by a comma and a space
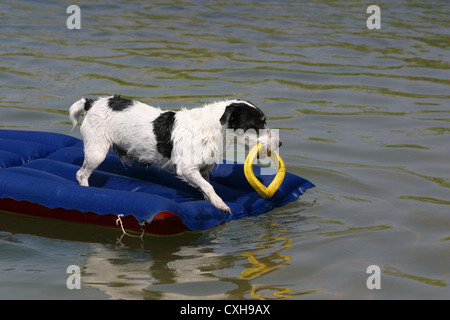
280, 144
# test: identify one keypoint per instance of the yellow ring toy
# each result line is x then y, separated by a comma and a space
265, 192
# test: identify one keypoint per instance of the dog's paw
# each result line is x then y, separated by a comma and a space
226, 210
219, 204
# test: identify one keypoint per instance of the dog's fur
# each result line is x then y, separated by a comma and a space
186, 142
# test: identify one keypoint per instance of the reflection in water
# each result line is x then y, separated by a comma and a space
274, 292
389, 270
263, 264
167, 268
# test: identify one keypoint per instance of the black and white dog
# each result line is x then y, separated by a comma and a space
186, 142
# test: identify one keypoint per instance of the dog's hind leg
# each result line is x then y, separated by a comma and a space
94, 155
195, 178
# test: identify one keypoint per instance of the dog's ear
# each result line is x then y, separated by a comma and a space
227, 114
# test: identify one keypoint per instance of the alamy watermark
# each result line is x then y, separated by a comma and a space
74, 279
374, 21
374, 280
197, 152
74, 21
206, 156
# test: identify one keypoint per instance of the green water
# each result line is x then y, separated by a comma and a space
363, 114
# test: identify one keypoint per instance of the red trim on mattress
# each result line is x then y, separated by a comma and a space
164, 223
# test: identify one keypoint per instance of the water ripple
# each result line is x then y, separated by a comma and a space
362, 113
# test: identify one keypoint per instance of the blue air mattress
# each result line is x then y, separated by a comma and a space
37, 177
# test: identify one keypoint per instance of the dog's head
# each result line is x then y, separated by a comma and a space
248, 124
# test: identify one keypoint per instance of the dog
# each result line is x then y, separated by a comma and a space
186, 142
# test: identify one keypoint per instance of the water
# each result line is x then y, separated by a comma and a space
363, 114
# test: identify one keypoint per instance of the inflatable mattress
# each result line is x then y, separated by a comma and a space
37, 177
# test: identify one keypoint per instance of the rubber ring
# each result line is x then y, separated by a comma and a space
265, 192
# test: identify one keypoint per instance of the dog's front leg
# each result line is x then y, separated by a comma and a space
195, 178
205, 171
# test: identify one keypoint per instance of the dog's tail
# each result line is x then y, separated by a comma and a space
75, 110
